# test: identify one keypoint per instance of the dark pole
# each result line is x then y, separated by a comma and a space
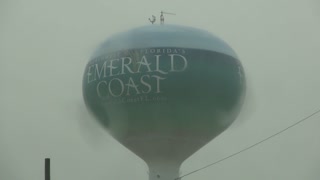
47, 168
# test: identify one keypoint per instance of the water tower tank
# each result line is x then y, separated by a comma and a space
164, 92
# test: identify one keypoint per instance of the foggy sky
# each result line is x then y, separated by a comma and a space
45, 45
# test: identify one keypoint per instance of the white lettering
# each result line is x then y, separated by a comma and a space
131, 84
89, 74
103, 69
98, 88
126, 65
158, 78
145, 83
144, 62
121, 85
111, 67
185, 63
158, 65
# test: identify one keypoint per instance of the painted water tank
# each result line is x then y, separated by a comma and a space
164, 92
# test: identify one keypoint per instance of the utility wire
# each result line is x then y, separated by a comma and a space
249, 147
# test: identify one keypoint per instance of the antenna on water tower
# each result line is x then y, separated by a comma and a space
47, 168
162, 17
153, 20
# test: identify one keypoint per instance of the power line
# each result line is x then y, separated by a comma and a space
249, 147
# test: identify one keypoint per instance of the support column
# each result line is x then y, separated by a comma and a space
163, 171
47, 169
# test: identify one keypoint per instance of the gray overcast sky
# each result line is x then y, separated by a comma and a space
45, 45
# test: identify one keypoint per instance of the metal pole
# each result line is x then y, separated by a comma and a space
47, 168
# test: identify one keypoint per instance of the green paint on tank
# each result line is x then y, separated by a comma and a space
164, 102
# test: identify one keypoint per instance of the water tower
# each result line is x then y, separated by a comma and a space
164, 91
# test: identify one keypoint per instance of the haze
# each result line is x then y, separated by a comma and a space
45, 45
